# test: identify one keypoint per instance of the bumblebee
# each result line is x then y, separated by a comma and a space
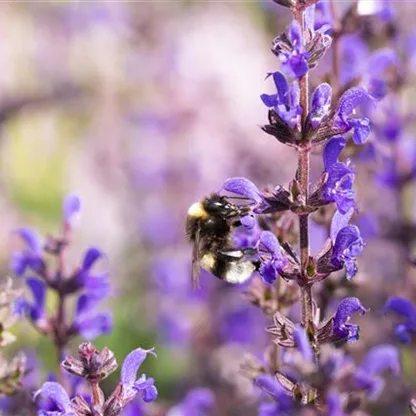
209, 226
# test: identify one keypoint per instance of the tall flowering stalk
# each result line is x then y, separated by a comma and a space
44, 267
302, 371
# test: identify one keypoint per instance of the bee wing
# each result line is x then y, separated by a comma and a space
196, 262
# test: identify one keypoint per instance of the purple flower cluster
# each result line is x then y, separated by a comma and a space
310, 369
44, 267
94, 366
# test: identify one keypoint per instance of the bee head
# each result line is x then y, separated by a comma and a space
219, 206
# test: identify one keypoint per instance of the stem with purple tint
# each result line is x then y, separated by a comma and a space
304, 150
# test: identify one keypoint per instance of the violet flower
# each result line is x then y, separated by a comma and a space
87, 322
36, 308
71, 209
198, 401
346, 308
347, 244
96, 285
53, 391
285, 103
31, 256
339, 185
292, 53
302, 343
282, 403
377, 360
245, 188
272, 258
407, 311
132, 385
349, 101
320, 104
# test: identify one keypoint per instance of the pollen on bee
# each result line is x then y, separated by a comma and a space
196, 210
208, 261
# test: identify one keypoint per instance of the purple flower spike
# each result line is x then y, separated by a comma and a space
243, 187
320, 104
129, 370
346, 308
57, 394
302, 343
71, 209
273, 260
348, 245
339, 185
377, 360
31, 255
407, 310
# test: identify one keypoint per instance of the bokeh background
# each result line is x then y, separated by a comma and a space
142, 108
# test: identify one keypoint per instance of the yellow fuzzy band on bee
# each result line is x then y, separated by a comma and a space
196, 210
208, 261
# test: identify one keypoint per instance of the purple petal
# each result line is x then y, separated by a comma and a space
94, 326
321, 97
348, 244
270, 243
295, 96
131, 365
55, 392
338, 222
84, 303
346, 308
334, 404
402, 333
298, 64
361, 128
402, 307
243, 187
71, 209
270, 385
350, 100
332, 151
90, 257
198, 401
295, 34
381, 60
282, 87
149, 394
302, 343
38, 289
269, 100
268, 272
248, 221
381, 358
31, 239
